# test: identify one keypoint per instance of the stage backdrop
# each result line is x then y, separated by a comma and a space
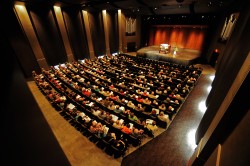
182, 36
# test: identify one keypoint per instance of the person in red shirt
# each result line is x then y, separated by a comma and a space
126, 129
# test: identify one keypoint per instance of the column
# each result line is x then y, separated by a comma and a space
65, 38
26, 24
88, 33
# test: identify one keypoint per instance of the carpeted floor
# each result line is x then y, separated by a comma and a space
171, 147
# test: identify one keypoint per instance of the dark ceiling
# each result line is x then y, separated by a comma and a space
147, 7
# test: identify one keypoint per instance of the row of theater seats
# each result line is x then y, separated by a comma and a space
113, 144
97, 103
158, 100
106, 87
68, 80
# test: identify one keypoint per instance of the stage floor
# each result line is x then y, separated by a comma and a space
183, 56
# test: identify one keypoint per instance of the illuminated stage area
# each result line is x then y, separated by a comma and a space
183, 56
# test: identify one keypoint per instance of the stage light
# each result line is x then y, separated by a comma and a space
57, 9
20, 7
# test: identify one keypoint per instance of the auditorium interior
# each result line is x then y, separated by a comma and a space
125, 82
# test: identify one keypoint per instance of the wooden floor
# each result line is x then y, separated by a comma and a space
171, 147
183, 55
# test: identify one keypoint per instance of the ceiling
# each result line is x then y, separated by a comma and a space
146, 7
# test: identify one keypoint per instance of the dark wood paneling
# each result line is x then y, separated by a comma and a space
17, 38
26, 135
238, 108
229, 65
48, 33
76, 32
239, 142
112, 20
97, 33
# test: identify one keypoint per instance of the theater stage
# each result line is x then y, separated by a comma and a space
183, 56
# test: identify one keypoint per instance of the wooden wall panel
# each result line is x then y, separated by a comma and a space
76, 32
97, 33
229, 64
112, 21
27, 136
12, 29
48, 33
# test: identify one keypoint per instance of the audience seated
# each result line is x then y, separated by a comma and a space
163, 117
119, 86
126, 129
152, 127
133, 117
117, 124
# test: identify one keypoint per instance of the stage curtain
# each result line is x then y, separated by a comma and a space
199, 40
173, 36
182, 37
191, 40
151, 37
